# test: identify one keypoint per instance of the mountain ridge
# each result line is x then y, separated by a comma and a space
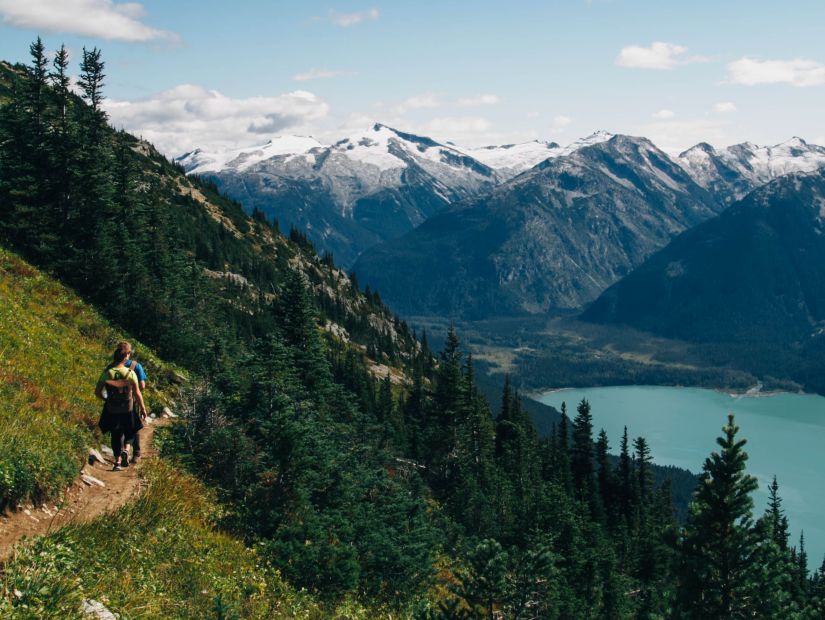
376, 185
552, 237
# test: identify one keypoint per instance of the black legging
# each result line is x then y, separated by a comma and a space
135, 441
121, 434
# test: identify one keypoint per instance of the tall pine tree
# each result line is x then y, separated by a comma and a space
717, 575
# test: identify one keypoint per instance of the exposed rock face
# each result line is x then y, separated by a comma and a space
553, 237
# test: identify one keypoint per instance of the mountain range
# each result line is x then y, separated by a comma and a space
369, 187
364, 189
553, 237
733, 172
520, 228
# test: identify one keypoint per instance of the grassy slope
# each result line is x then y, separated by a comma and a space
52, 349
171, 562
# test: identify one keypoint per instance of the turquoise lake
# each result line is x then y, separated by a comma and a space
785, 433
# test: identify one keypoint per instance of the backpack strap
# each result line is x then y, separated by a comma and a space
124, 377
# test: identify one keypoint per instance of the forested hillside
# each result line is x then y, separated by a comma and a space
749, 284
355, 463
49, 421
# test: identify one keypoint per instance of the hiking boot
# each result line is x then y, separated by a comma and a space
117, 467
135, 458
124, 459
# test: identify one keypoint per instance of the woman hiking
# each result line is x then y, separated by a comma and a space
119, 415
141, 375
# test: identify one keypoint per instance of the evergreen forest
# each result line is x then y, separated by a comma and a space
348, 455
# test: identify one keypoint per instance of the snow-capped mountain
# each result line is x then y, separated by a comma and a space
510, 160
735, 171
200, 162
371, 186
368, 187
380, 183
553, 237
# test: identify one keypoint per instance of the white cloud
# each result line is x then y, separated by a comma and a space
478, 101
190, 116
418, 102
798, 72
464, 130
724, 107
659, 55
318, 74
345, 20
93, 18
457, 125
663, 114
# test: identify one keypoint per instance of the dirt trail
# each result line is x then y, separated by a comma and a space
83, 500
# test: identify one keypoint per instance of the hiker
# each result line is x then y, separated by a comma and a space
120, 416
126, 347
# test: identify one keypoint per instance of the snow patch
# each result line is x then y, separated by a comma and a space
200, 162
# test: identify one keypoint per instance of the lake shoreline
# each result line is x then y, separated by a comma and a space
751, 392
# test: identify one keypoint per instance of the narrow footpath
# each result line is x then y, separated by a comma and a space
95, 491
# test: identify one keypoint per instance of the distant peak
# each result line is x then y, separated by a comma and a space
796, 141
191, 153
747, 145
594, 138
703, 147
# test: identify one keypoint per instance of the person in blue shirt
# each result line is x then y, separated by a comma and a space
126, 348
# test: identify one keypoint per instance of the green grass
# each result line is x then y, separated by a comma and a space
158, 557
52, 350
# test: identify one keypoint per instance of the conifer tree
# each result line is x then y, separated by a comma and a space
773, 574
38, 94
415, 407
643, 462
63, 136
605, 475
717, 576
563, 471
474, 484
626, 477
91, 82
581, 460
776, 516
443, 421
801, 569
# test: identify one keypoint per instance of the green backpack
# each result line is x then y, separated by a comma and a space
120, 394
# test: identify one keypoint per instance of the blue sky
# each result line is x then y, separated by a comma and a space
186, 74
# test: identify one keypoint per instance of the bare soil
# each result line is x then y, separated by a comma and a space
83, 500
